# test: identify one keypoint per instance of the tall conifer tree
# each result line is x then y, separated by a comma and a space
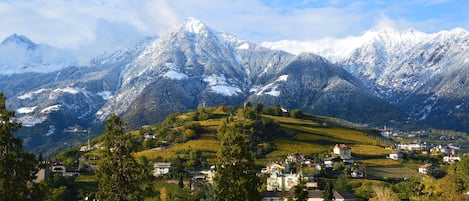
120, 176
328, 193
236, 176
17, 167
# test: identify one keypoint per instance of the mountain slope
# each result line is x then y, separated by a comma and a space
422, 74
315, 85
192, 66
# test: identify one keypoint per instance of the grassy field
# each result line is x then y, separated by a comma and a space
387, 169
209, 146
390, 172
369, 151
288, 146
305, 137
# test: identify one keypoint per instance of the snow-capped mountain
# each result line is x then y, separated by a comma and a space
195, 65
410, 69
18, 54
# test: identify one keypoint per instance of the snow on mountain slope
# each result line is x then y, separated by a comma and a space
191, 66
389, 59
192, 53
423, 74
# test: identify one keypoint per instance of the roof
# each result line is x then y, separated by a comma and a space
332, 158
162, 164
426, 166
342, 146
344, 195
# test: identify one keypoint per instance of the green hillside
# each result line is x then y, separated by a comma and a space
191, 142
279, 135
308, 135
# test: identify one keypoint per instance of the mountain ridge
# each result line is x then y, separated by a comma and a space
192, 66
412, 70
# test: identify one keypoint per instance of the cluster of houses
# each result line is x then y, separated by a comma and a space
451, 152
282, 176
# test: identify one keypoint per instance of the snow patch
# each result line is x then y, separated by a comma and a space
25, 110
70, 90
30, 95
271, 88
175, 75
106, 95
282, 78
244, 46
173, 72
218, 84
51, 130
50, 109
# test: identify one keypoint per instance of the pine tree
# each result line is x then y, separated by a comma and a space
236, 176
328, 194
300, 193
120, 176
17, 168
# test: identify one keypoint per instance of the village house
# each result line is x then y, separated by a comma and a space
161, 168
273, 167
451, 159
209, 174
329, 162
58, 168
198, 182
395, 156
357, 174
295, 158
427, 168
148, 135
409, 147
386, 132
344, 151
315, 166
282, 182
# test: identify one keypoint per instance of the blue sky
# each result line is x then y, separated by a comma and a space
103, 24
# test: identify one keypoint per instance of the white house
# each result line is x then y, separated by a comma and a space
425, 169
273, 167
344, 151
409, 147
451, 159
148, 135
209, 174
357, 174
161, 168
386, 132
395, 156
282, 182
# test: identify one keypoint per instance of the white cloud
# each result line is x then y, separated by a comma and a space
80, 24
76, 23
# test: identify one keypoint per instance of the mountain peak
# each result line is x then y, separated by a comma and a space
19, 40
193, 25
